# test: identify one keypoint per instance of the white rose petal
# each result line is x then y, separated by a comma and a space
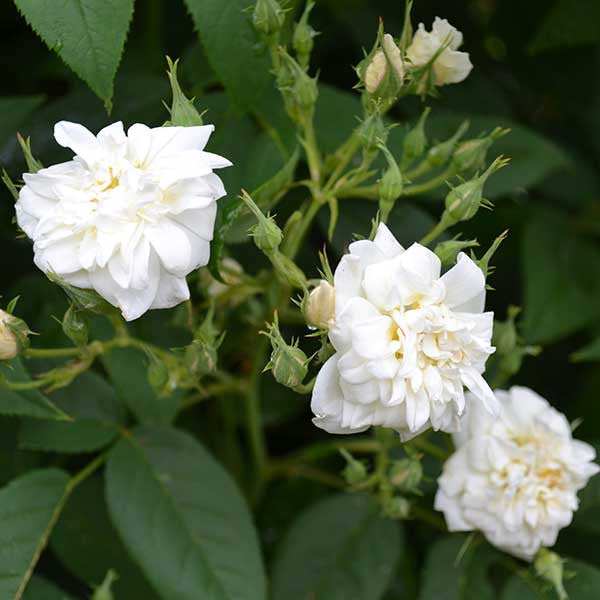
407, 340
515, 478
130, 216
451, 65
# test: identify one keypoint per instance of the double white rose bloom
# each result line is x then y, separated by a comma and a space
130, 216
451, 65
514, 477
407, 341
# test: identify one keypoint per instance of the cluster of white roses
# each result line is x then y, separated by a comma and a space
132, 214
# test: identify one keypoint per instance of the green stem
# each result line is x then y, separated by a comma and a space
298, 233
429, 448
256, 436
51, 352
311, 148
306, 472
424, 514
434, 233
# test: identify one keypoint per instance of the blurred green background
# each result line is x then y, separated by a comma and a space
536, 67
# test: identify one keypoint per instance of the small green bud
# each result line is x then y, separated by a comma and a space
464, 200
103, 591
33, 164
406, 474
266, 233
288, 363
268, 17
415, 140
440, 153
373, 133
158, 374
549, 566
201, 356
74, 326
303, 36
390, 185
396, 507
471, 154
183, 112
299, 91
448, 251
355, 471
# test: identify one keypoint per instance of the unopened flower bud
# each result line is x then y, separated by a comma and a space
384, 69
288, 363
201, 356
390, 185
268, 17
448, 251
355, 471
415, 140
471, 154
549, 566
396, 507
373, 133
158, 374
75, 327
299, 91
183, 112
464, 200
303, 36
440, 153
9, 345
320, 306
406, 474
266, 233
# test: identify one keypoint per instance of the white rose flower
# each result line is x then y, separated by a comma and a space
390, 53
130, 216
515, 478
407, 341
451, 66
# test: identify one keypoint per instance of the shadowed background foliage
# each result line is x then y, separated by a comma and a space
536, 67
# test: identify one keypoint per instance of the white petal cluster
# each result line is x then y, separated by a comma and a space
407, 341
451, 65
516, 477
130, 216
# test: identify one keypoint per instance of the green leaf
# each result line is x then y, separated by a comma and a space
13, 111
87, 544
451, 576
42, 589
232, 47
339, 548
561, 277
590, 352
89, 36
182, 518
128, 370
583, 585
568, 23
97, 414
29, 507
30, 403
